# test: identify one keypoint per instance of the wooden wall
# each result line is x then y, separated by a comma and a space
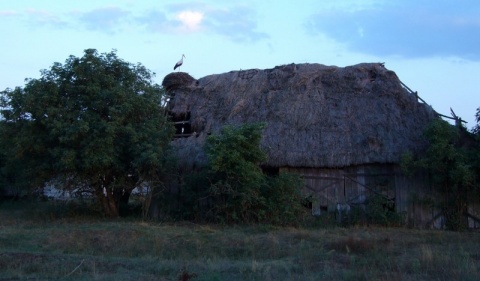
413, 196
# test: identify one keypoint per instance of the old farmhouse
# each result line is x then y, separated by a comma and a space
344, 129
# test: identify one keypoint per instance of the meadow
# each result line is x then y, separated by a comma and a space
62, 242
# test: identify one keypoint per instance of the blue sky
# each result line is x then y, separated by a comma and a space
433, 46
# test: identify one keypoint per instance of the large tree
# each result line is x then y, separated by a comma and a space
95, 122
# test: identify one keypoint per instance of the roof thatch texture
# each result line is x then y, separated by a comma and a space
316, 115
177, 80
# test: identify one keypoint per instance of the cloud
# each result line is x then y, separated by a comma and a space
107, 19
238, 24
155, 21
235, 23
190, 20
178, 22
409, 29
43, 17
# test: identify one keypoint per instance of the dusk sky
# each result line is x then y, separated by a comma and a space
433, 46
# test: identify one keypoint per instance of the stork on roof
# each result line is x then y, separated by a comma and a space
179, 63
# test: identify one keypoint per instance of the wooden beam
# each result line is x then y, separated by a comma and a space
452, 118
406, 87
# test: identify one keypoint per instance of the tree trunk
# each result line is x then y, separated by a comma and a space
114, 201
122, 197
108, 202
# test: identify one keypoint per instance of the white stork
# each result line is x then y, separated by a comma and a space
179, 63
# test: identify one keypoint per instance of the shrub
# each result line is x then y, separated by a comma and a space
451, 162
381, 211
283, 199
233, 188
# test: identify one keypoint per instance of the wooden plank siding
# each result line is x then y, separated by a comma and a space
413, 196
352, 185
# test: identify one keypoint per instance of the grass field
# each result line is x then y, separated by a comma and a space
38, 243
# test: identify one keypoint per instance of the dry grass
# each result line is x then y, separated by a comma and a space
85, 248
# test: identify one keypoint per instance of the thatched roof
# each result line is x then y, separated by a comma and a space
316, 115
177, 80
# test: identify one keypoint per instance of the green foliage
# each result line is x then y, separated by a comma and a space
476, 128
243, 193
95, 121
446, 159
3, 171
407, 163
232, 188
381, 211
235, 154
234, 158
450, 161
18, 173
283, 199
476, 151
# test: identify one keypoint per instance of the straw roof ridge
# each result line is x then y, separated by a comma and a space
316, 115
177, 80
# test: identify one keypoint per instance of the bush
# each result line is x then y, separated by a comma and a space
451, 161
381, 211
283, 199
233, 188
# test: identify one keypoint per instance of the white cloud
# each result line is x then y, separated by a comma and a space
191, 20
237, 23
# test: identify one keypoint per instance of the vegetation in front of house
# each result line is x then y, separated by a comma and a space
38, 244
232, 187
453, 164
378, 211
93, 124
